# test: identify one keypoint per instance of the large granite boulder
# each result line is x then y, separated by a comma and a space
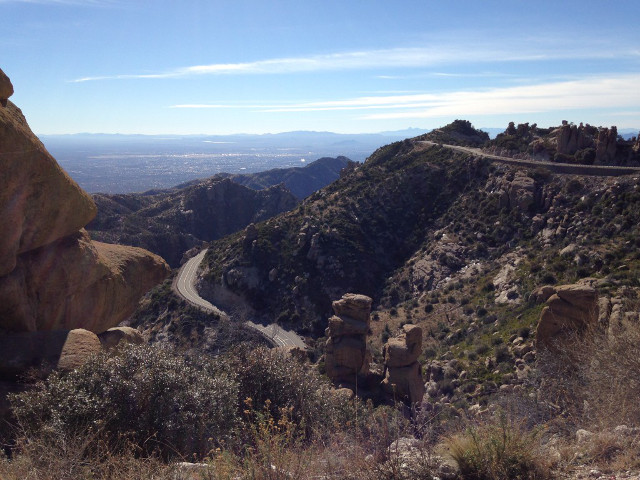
118, 335
39, 203
62, 349
76, 283
355, 306
52, 276
6, 88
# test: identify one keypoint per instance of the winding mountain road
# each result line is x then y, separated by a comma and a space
184, 286
566, 168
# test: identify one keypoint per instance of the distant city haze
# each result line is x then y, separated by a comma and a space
137, 163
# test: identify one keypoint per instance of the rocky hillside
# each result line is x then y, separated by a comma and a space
401, 227
301, 181
349, 236
172, 222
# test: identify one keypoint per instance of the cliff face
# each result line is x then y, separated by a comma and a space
52, 276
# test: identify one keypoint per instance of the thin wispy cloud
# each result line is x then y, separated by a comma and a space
598, 92
591, 93
422, 57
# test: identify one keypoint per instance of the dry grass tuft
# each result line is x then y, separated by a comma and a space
499, 450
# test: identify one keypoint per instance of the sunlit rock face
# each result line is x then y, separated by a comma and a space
39, 202
52, 275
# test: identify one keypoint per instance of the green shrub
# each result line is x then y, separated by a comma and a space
271, 378
150, 396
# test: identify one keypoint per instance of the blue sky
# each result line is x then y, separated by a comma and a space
349, 66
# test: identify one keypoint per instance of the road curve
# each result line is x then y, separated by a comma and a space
184, 286
567, 168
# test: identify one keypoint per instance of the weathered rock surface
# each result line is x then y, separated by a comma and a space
569, 309
52, 276
521, 191
606, 145
572, 138
63, 349
76, 283
402, 370
6, 88
346, 353
117, 335
357, 307
39, 203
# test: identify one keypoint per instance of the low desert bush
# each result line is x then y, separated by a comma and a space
150, 398
594, 377
271, 378
498, 450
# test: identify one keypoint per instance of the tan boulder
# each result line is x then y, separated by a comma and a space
341, 326
39, 203
353, 305
6, 88
570, 309
542, 294
405, 349
79, 345
118, 335
521, 191
403, 376
63, 349
77, 283
344, 357
405, 383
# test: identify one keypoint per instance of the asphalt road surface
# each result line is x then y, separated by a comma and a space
568, 168
184, 286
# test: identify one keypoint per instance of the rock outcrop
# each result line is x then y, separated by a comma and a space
39, 203
606, 145
61, 349
6, 89
346, 354
76, 283
118, 335
572, 138
569, 309
403, 377
521, 191
52, 276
